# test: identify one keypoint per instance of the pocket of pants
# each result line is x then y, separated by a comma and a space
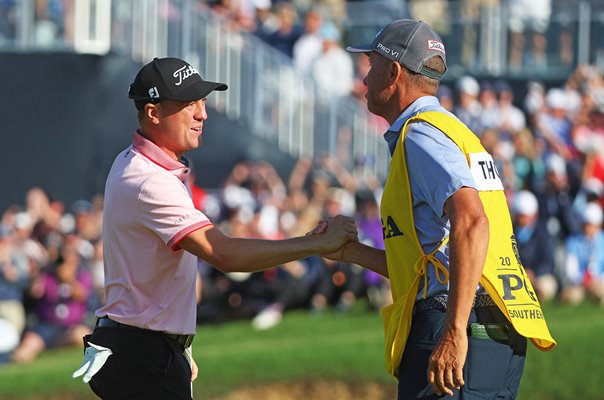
486, 366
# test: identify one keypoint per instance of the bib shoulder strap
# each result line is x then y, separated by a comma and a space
450, 126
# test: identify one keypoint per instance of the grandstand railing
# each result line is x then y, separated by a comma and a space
478, 37
266, 93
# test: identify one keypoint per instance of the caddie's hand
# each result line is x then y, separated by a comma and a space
445, 367
340, 229
336, 255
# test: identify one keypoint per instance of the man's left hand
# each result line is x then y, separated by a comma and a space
445, 367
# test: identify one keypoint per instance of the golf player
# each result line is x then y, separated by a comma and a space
463, 306
152, 237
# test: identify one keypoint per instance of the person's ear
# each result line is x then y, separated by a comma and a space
152, 112
396, 69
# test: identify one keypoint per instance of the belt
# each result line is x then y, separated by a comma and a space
440, 303
183, 340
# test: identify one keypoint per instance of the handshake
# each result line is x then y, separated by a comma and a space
333, 235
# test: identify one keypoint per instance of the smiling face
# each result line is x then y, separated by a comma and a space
176, 126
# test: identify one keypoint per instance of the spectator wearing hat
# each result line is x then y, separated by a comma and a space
556, 199
535, 244
469, 110
584, 260
332, 70
489, 115
592, 191
534, 100
310, 44
86, 225
265, 21
554, 125
445, 97
152, 237
511, 119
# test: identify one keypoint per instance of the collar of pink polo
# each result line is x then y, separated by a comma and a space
150, 150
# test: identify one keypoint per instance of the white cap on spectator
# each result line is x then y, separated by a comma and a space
469, 85
594, 186
556, 98
329, 32
592, 214
262, 4
556, 164
23, 220
524, 203
534, 99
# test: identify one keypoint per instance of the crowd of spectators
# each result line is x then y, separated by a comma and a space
51, 261
549, 151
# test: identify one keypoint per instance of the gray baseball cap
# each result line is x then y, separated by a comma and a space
408, 42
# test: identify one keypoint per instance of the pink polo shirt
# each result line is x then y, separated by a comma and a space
149, 280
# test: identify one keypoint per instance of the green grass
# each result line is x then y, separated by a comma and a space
573, 370
331, 346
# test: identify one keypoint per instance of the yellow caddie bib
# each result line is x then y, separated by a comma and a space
503, 276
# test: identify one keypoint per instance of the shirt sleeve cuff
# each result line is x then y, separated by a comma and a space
173, 243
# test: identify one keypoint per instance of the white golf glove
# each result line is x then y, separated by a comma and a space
95, 357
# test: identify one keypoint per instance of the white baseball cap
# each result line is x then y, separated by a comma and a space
524, 203
557, 98
592, 214
469, 85
556, 164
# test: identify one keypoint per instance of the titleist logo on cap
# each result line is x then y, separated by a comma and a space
183, 73
436, 45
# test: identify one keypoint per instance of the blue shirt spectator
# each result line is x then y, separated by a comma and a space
584, 262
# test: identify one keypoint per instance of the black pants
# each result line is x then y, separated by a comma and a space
144, 365
492, 370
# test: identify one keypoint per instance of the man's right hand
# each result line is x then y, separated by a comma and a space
352, 251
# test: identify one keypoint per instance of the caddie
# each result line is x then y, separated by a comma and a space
463, 306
